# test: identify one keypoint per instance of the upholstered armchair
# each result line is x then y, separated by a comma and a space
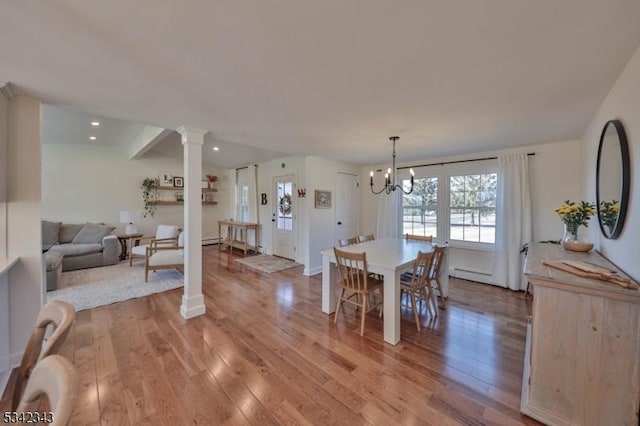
166, 235
164, 256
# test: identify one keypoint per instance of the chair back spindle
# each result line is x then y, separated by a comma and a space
60, 316
348, 241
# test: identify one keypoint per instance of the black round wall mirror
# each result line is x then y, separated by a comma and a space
612, 179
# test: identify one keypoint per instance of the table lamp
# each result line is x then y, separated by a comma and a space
129, 217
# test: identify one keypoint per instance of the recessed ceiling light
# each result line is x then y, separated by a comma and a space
93, 138
215, 148
95, 123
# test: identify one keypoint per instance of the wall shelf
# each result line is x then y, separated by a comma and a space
179, 203
181, 189
177, 189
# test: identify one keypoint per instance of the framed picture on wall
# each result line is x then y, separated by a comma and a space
177, 181
322, 199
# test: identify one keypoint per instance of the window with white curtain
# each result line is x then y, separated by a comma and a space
420, 208
472, 207
456, 204
242, 194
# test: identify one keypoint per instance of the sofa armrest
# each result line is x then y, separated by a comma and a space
111, 251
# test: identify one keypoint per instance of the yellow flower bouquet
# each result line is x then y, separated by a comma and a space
609, 211
574, 215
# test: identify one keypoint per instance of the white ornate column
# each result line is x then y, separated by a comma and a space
192, 299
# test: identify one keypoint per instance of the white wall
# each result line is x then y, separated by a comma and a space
554, 176
266, 172
623, 103
321, 223
4, 116
93, 183
5, 331
23, 220
314, 228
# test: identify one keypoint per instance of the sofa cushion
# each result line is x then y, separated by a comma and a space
92, 233
53, 260
68, 232
166, 231
50, 232
166, 257
46, 247
71, 250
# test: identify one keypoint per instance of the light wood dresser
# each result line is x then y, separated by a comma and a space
583, 345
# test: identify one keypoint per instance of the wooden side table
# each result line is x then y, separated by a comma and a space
123, 238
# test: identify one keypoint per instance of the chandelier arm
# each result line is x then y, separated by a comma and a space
379, 192
407, 192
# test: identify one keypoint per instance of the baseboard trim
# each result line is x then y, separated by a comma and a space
309, 272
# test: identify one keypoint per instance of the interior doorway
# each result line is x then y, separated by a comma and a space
346, 206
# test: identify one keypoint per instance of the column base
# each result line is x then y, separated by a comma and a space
192, 306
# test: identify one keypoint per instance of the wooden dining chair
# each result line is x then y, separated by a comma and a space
355, 284
56, 379
439, 253
427, 238
348, 241
60, 316
416, 284
365, 238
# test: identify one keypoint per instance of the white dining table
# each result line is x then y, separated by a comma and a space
389, 257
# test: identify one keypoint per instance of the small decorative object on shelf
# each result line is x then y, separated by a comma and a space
212, 179
574, 216
149, 194
178, 181
179, 196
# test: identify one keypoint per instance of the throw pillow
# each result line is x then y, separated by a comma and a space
50, 232
68, 232
92, 233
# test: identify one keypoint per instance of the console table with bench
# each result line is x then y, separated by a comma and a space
232, 239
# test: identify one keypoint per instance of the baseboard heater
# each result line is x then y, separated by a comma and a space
470, 275
469, 271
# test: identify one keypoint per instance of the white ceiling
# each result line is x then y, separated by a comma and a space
65, 126
332, 78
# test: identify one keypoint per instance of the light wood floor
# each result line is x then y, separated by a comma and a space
264, 353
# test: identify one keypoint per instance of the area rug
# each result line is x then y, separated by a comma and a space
93, 287
266, 263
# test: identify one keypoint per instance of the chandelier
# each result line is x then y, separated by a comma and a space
390, 177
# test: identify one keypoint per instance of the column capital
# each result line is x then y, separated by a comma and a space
192, 134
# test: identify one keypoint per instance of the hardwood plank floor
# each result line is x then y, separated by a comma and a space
264, 353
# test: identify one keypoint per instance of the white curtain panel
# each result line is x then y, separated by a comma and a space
252, 211
232, 178
389, 215
514, 226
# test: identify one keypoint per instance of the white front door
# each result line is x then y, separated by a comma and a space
346, 206
284, 217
